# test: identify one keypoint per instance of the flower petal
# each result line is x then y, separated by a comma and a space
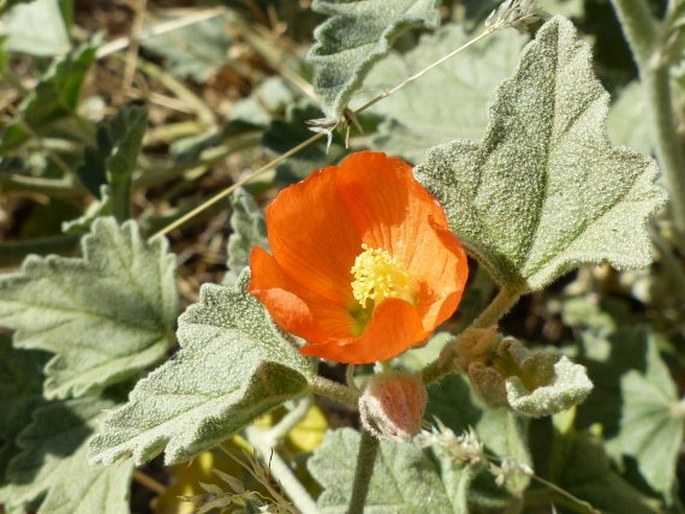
312, 237
394, 327
442, 266
387, 205
293, 307
406, 220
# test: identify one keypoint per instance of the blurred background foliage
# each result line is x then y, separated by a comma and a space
167, 102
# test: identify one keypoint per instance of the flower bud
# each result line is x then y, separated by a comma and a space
392, 406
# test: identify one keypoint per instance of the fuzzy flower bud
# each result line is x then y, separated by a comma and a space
392, 406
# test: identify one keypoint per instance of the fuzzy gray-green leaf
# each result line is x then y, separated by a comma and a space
233, 366
53, 461
357, 35
107, 315
449, 102
561, 385
404, 480
545, 191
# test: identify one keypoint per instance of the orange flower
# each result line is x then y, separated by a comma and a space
363, 266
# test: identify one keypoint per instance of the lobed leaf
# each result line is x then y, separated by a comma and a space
449, 102
233, 366
636, 403
580, 465
53, 461
358, 34
545, 191
107, 315
404, 478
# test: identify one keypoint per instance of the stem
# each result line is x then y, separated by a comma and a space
366, 459
223, 194
638, 26
421, 73
278, 432
280, 470
149, 482
333, 390
563, 492
669, 151
502, 303
506, 298
640, 30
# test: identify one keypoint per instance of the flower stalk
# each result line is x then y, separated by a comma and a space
366, 459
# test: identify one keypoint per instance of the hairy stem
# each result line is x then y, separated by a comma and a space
366, 459
641, 31
333, 390
502, 303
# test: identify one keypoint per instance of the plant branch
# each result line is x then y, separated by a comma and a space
506, 298
641, 31
333, 390
279, 431
366, 459
149, 482
639, 27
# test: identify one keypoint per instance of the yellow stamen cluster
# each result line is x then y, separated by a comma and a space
379, 275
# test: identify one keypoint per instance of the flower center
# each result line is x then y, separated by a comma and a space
379, 275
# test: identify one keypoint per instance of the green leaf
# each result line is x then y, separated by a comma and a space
358, 34
21, 382
449, 102
195, 51
549, 383
580, 465
107, 315
53, 461
502, 433
35, 28
233, 366
636, 403
113, 161
404, 479
626, 122
54, 98
249, 230
545, 192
